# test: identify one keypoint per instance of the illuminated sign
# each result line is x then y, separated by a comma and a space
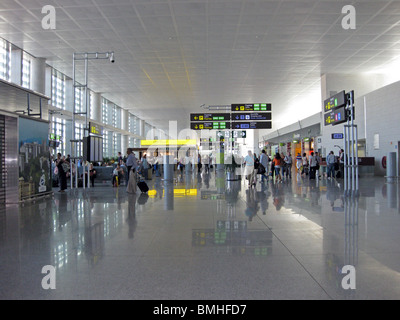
336, 101
177, 192
252, 125
210, 117
168, 142
55, 137
251, 107
335, 116
337, 135
233, 134
251, 116
210, 125
239, 134
95, 129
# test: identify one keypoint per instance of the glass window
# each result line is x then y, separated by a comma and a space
106, 144
91, 105
104, 109
116, 144
79, 99
58, 89
26, 71
79, 132
58, 128
5, 60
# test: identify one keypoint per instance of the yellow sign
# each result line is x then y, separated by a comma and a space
179, 142
177, 192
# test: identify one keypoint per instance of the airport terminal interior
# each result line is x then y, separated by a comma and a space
205, 94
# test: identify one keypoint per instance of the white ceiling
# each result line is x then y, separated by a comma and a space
174, 55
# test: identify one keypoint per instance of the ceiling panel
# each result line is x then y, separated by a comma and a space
173, 55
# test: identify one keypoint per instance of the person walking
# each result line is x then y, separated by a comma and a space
313, 166
330, 161
145, 167
249, 168
277, 165
305, 164
288, 160
318, 158
92, 174
131, 162
264, 161
199, 164
62, 172
341, 163
119, 159
299, 162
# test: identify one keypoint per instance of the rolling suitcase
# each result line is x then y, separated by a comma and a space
143, 186
312, 174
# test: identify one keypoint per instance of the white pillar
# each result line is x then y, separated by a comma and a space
69, 95
96, 107
125, 120
124, 143
142, 128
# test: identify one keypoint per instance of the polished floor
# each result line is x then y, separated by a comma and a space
202, 237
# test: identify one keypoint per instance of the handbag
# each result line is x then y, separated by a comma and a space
261, 169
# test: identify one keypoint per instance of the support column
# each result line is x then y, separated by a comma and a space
96, 107
142, 128
124, 143
124, 120
69, 95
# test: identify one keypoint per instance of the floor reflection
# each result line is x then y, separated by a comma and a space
206, 215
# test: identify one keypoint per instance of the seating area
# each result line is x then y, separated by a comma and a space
103, 173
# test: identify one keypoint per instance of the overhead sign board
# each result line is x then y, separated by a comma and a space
251, 116
210, 117
336, 101
210, 125
95, 129
232, 134
252, 125
169, 142
237, 107
336, 116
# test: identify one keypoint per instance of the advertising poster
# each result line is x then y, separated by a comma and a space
34, 157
